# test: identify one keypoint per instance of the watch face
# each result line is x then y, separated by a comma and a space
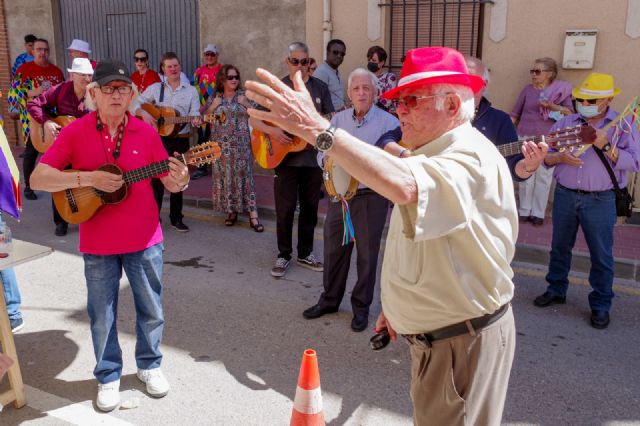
324, 141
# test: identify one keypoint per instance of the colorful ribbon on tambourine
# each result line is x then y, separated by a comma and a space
349, 235
624, 123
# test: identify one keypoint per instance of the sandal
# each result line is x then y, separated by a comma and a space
257, 226
231, 219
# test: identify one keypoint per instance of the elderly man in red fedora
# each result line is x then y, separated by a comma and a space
446, 279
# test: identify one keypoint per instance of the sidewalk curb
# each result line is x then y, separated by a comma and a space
625, 269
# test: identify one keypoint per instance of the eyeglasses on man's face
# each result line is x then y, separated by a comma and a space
589, 101
295, 62
411, 101
537, 71
210, 54
109, 90
339, 53
140, 58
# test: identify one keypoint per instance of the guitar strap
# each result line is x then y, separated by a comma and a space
161, 93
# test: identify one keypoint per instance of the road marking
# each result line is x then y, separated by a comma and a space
76, 413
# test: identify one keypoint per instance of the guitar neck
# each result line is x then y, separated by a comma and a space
146, 172
180, 119
513, 148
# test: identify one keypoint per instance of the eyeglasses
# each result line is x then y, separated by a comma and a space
295, 62
233, 77
537, 72
589, 101
139, 59
123, 90
210, 54
411, 102
338, 52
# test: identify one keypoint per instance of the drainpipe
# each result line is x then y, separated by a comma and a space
327, 27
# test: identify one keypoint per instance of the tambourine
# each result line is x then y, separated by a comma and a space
339, 184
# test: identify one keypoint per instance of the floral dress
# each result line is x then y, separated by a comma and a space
386, 82
233, 185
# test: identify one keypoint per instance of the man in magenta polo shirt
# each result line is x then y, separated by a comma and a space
119, 236
585, 196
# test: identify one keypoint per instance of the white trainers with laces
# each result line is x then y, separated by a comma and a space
157, 384
108, 395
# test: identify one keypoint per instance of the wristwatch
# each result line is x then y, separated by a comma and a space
324, 141
606, 147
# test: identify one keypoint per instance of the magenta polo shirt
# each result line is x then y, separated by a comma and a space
132, 224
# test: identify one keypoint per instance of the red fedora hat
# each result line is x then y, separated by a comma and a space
434, 65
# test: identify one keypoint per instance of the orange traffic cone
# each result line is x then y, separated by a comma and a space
307, 406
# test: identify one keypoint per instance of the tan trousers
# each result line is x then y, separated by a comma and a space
463, 380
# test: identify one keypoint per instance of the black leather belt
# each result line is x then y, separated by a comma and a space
365, 191
580, 191
464, 327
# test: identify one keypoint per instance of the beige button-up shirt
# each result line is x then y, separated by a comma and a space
448, 255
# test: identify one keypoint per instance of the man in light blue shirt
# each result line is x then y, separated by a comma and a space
329, 74
368, 211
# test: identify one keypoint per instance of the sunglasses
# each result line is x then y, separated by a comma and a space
537, 72
139, 59
109, 90
210, 54
589, 101
411, 102
295, 62
233, 77
339, 53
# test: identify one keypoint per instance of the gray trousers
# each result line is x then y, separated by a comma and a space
368, 214
463, 380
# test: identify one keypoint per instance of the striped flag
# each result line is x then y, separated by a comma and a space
10, 201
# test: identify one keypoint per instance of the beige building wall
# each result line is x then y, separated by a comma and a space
537, 28
30, 17
251, 34
351, 23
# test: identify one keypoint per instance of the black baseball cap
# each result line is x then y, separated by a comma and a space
110, 70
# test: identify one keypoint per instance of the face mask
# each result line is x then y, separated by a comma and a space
372, 66
587, 111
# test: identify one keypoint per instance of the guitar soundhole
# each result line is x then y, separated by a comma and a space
161, 121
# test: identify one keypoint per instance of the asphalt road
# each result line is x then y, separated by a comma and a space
234, 337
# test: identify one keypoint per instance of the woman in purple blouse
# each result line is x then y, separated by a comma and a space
539, 106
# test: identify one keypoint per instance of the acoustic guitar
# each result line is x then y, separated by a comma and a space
169, 121
42, 140
77, 205
571, 138
269, 154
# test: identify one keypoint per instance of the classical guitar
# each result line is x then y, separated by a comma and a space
571, 138
169, 121
42, 140
269, 154
77, 205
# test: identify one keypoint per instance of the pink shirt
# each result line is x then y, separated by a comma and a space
131, 225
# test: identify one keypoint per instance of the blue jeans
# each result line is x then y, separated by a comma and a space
10, 290
595, 213
11, 293
144, 271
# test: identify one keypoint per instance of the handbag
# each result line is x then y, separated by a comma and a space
624, 200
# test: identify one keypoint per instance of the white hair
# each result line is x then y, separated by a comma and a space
467, 107
91, 105
297, 46
361, 72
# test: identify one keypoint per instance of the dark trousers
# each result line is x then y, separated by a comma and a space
368, 214
29, 162
180, 145
290, 185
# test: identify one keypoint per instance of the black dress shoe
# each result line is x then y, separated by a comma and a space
316, 311
29, 194
537, 221
61, 229
179, 226
548, 299
359, 322
599, 319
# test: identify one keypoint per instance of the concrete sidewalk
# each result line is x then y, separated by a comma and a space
533, 244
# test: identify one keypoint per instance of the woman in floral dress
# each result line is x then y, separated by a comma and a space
233, 186
376, 59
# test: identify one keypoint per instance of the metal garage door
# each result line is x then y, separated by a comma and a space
116, 28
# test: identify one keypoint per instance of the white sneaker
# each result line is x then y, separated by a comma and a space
108, 395
157, 384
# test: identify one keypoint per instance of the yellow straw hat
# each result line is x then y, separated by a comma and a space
596, 86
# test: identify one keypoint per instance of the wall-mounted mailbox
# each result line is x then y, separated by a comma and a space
579, 49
